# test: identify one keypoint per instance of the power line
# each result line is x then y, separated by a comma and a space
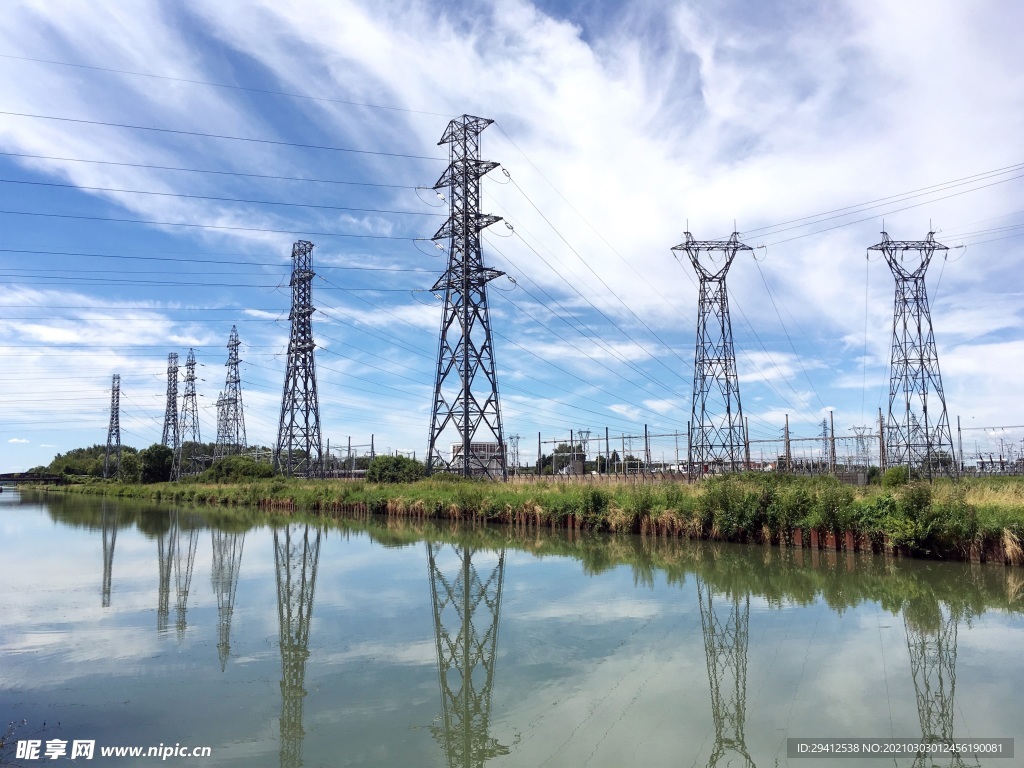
248, 89
269, 177
216, 199
199, 134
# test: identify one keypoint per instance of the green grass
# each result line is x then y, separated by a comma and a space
944, 519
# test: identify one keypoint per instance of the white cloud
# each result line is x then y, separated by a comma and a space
18, 440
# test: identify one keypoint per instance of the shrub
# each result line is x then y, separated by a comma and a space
234, 469
395, 469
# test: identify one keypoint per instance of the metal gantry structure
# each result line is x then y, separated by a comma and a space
299, 449
466, 413
467, 609
224, 570
114, 429
717, 429
918, 434
230, 414
186, 459
171, 437
296, 557
725, 619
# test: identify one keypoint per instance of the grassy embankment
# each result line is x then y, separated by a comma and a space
979, 518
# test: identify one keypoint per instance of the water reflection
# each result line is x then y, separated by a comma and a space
227, 564
467, 608
725, 618
109, 534
931, 641
296, 557
600, 636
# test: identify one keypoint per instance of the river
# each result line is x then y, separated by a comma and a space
381, 642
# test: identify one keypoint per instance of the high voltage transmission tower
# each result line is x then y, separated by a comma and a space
917, 437
296, 557
230, 415
466, 413
717, 431
725, 620
184, 562
467, 608
170, 438
186, 461
299, 448
114, 429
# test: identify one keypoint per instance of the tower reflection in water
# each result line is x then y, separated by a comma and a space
931, 641
296, 557
109, 532
467, 606
226, 565
725, 617
177, 557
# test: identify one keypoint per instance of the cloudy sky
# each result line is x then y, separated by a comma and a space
158, 160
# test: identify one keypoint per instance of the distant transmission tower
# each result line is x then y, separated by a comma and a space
464, 413
170, 438
230, 415
186, 462
299, 449
114, 430
717, 430
917, 437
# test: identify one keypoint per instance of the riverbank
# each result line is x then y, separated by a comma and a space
975, 519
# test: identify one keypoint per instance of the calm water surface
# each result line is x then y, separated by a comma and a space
395, 644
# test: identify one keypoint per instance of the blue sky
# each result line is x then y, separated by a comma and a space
618, 126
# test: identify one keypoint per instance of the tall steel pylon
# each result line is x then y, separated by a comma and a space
718, 433
296, 556
184, 562
931, 641
114, 429
916, 437
227, 564
466, 413
230, 414
725, 620
299, 448
467, 609
170, 438
186, 461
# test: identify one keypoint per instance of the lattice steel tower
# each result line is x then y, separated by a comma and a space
917, 437
299, 448
296, 556
467, 608
230, 414
725, 619
466, 413
717, 431
170, 438
186, 461
114, 430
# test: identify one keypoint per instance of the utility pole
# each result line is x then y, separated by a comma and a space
466, 409
114, 428
299, 448
231, 416
917, 437
716, 415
